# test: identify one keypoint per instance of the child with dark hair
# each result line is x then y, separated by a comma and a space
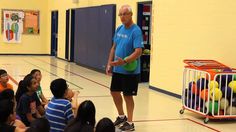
22, 87
7, 94
28, 104
85, 119
39, 125
8, 117
4, 81
59, 109
36, 73
105, 125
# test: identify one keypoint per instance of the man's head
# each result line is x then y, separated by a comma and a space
3, 76
125, 14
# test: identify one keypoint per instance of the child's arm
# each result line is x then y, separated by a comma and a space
74, 102
18, 129
38, 115
44, 100
41, 110
19, 123
30, 117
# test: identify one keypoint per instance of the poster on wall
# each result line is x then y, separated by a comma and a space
31, 22
12, 26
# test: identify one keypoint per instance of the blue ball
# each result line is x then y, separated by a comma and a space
226, 92
202, 83
222, 80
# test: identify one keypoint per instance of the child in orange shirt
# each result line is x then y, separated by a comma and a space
4, 81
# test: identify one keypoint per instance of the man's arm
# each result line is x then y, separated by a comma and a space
120, 61
110, 59
136, 54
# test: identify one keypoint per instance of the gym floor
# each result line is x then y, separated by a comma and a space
153, 112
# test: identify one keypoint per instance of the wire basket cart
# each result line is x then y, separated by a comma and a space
209, 89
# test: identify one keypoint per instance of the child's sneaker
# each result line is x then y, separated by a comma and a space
119, 121
127, 127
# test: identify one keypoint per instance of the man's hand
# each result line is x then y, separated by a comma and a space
117, 62
109, 70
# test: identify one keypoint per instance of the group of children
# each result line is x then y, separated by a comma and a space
29, 111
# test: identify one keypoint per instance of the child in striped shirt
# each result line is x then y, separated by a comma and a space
59, 110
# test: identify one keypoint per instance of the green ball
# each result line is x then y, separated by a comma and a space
212, 105
131, 66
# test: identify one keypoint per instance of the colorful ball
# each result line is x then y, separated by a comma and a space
131, 66
213, 84
233, 101
231, 110
193, 87
215, 94
204, 94
232, 85
223, 80
224, 103
193, 102
202, 83
212, 107
226, 92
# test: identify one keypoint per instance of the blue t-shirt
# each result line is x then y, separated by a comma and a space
27, 104
126, 41
59, 113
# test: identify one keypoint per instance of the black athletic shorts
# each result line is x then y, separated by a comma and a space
127, 83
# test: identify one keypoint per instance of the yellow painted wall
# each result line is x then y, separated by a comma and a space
181, 29
190, 29
30, 44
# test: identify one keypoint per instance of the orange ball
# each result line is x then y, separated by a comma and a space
204, 94
194, 89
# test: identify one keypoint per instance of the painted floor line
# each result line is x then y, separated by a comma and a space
54, 74
75, 74
188, 119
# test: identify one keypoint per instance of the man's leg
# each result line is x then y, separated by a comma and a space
130, 107
117, 98
129, 125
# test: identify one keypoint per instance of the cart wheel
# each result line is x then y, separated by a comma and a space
181, 111
206, 120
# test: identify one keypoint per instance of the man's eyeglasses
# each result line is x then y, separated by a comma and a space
123, 14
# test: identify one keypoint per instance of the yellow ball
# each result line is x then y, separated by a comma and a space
232, 85
215, 94
213, 84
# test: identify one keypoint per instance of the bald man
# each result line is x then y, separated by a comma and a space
127, 47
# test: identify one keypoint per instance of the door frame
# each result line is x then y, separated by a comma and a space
54, 33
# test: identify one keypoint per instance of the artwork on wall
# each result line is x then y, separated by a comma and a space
31, 22
12, 26
18, 22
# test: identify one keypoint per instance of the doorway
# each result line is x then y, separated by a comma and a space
69, 43
144, 22
54, 32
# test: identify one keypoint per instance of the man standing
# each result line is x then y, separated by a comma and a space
127, 47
